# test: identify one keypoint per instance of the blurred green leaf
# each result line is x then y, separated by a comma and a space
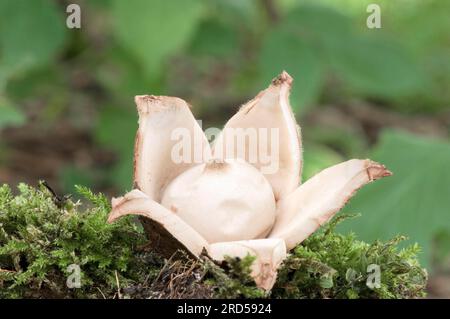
283, 50
441, 250
415, 200
122, 175
38, 82
31, 33
124, 77
71, 176
317, 158
425, 31
346, 139
9, 115
322, 26
374, 65
425, 27
369, 62
116, 129
154, 30
299, 44
215, 39
240, 13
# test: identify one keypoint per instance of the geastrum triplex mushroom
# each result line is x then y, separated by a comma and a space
243, 194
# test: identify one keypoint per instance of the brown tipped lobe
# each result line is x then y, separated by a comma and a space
284, 77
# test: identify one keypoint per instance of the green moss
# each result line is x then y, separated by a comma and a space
39, 240
40, 237
332, 265
232, 279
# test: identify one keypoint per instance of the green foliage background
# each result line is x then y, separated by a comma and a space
217, 54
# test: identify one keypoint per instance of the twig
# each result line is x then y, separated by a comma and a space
6, 270
104, 297
119, 295
168, 264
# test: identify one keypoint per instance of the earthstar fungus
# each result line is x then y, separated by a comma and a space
228, 206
